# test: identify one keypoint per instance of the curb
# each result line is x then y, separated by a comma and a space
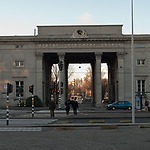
100, 124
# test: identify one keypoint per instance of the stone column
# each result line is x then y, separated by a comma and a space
97, 80
113, 92
120, 56
47, 87
66, 79
93, 84
62, 80
39, 75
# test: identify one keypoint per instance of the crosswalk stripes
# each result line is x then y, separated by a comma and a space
20, 129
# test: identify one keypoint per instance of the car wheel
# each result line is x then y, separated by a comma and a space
113, 108
129, 108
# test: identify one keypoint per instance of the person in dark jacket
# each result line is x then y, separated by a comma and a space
146, 105
52, 107
75, 106
67, 106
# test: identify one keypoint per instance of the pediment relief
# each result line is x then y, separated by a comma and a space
79, 33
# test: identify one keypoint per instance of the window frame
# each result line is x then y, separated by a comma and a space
140, 62
141, 86
19, 63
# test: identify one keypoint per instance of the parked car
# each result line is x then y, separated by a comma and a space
119, 105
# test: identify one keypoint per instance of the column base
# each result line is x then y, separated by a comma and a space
98, 104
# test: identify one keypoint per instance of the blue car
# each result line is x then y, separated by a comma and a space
119, 105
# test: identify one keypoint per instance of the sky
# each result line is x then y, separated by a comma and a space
20, 17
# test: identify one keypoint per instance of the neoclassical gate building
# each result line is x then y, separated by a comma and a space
27, 60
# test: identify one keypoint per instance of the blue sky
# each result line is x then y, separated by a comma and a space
20, 17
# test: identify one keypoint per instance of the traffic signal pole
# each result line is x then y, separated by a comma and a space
7, 109
9, 90
32, 106
31, 91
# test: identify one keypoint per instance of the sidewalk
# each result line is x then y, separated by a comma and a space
29, 122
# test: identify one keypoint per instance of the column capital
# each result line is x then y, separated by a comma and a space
98, 54
121, 54
39, 54
61, 55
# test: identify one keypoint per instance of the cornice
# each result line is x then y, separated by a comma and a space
100, 38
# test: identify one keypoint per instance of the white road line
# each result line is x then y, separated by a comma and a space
19, 129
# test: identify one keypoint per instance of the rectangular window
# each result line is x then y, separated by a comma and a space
19, 88
19, 63
141, 86
140, 62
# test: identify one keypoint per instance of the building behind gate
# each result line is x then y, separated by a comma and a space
27, 60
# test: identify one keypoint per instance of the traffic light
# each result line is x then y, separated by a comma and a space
31, 88
9, 88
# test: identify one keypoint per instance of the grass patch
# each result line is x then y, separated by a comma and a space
126, 121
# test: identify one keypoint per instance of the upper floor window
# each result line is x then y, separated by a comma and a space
19, 63
140, 62
141, 86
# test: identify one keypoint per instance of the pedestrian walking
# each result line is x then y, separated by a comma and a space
67, 106
75, 106
146, 105
52, 108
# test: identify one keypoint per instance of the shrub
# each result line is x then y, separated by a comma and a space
37, 102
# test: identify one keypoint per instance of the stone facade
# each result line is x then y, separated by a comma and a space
27, 60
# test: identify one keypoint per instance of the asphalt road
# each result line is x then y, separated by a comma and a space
86, 114
63, 132
95, 138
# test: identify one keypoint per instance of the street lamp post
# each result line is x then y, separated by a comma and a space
132, 65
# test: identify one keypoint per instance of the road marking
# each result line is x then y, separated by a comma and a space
19, 129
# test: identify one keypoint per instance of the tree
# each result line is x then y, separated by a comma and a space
71, 71
87, 84
104, 87
55, 79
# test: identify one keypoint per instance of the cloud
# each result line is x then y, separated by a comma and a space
86, 18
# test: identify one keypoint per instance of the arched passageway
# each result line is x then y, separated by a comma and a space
94, 59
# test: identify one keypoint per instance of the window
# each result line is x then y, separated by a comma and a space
141, 86
19, 63
140, 62
19, 88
